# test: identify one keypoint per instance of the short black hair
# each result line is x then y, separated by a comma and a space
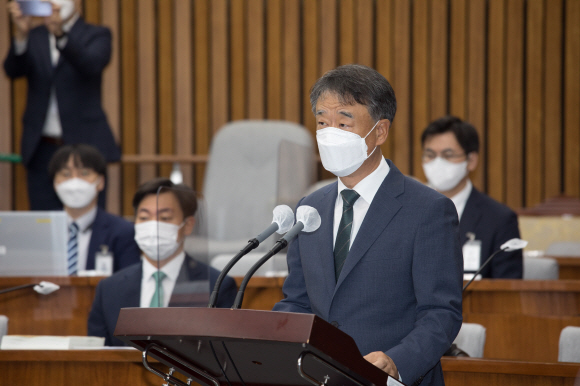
464, 132
184, 194
355, 83
84, 156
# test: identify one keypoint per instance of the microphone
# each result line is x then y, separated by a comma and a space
281, 223
508, 246
307, 220
43, 288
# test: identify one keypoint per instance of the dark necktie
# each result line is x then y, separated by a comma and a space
342, 244
73, 248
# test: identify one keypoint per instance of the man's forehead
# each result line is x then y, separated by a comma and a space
447, 140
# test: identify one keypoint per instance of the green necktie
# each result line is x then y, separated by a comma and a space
157, 298
342, 244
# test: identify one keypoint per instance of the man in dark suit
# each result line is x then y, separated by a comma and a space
450, 153
385, 265
63, 61
166, 276
78, 172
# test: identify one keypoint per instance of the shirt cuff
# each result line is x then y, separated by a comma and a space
20, 46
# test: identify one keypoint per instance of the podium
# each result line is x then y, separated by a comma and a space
248, 347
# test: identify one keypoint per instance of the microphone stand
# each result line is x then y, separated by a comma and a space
483, 266
4, 291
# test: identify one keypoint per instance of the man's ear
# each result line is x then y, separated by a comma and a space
382, 131
472, 161
188, 225
101, 184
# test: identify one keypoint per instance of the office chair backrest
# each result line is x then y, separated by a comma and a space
471, 339
541, 268
569, 348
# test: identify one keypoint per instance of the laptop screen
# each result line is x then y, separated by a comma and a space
33, 243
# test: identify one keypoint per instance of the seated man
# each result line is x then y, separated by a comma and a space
165, 273
450, 153
78, 172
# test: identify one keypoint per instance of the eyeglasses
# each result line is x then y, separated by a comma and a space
429, 156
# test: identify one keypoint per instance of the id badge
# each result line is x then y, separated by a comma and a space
471, 255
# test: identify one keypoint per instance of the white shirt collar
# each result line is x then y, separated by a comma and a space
66, 27
460, 199
85, 221
171, 269
368, 187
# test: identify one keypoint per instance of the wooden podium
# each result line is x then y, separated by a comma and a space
250, 347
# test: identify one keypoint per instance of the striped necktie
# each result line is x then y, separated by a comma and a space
73, 248
157, 299
342, 244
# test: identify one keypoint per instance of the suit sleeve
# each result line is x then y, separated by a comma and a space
125, 250
88, 56
16, 66
507, 265
228, 292
437, 273
295, 294
97, 325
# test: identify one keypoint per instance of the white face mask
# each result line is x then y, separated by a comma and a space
67, 8
342, 152
147, 238
76, 192
444, 175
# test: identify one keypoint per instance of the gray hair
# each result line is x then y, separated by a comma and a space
355, 83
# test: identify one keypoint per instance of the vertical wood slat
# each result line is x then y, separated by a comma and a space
438, 52
572, 99
203, 116
256, 69
514, 104
365, 32
112, 101
553, 100
183, 79
219, 64
291, 88
476, 82
147, 97
534, 171
495, 99
346, 32
165, 84
383, 48
6, 199
401, 82
92, 11
421, 89
238, 66
328, 34
274, 50
458, 58
129, 98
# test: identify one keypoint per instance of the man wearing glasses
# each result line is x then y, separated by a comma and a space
450, 153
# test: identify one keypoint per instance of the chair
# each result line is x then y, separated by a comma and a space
569, 347
564, 248
3, 326
471, 339
252, 167
540, 268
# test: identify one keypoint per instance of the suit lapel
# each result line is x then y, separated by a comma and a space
44, 51
380, 213
323, 243
132, 295
100, 230
78, 24
470, 217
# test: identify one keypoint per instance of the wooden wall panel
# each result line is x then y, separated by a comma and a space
181, 69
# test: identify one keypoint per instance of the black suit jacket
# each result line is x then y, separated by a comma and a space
493, 224
123, 290
77, 81
119, 235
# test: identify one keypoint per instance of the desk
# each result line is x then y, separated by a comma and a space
523, 318
569, 267
64, 312
124, 367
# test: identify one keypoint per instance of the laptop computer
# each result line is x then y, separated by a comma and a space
33, 243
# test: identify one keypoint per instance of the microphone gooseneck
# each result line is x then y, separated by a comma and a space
483, 266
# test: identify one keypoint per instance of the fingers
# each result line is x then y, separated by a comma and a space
383, 362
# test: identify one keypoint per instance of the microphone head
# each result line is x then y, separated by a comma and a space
308, 216
513, 245
284, 217
46, 287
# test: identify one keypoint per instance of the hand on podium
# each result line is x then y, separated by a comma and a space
383, 362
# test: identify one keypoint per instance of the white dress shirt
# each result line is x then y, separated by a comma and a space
460, 199
85, 224
367, 189
171, 271
52, 125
